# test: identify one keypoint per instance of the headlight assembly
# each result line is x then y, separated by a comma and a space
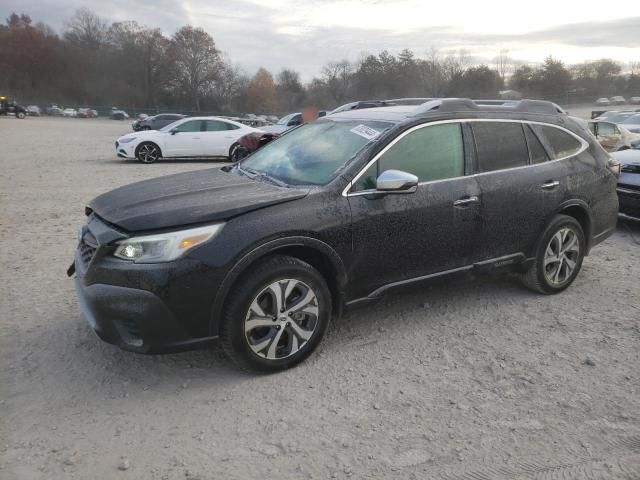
127, 140
164, 247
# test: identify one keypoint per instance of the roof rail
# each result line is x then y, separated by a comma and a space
466, 104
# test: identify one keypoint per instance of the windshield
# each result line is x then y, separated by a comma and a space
632, 119
314, 153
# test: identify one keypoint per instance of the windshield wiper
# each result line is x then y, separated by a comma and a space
264, 175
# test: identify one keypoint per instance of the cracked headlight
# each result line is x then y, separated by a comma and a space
164, 247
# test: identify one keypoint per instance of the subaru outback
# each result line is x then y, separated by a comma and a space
260, 255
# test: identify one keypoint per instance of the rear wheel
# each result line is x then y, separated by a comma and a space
276, 316
559, 256
148, 152
20, 115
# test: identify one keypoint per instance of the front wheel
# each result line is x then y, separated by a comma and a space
276, 316
148, 152
20, 115
559, 256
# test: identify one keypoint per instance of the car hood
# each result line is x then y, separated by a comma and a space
141, 134
190, 198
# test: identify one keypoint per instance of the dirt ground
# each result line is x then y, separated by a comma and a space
478, 380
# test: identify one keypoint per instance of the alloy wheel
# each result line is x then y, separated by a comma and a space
148, 153
281, 319
561, 256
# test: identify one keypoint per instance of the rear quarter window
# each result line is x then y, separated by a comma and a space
562, 144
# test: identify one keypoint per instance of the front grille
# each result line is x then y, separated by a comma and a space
86, 252
630, 168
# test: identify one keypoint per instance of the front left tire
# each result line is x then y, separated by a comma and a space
20, 115
148, 152
276, 316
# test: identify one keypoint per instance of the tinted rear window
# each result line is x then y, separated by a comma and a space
500, 145
562, 143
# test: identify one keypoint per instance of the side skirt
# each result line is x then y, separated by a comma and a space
516, 261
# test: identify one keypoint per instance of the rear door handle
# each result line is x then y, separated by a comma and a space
550, 185
463, 202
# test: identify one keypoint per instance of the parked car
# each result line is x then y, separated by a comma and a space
156, 122
285, 123
631, 122
603, 102
84, 113
54, 110
614, 116
11, 108
611, 136
629, 182
618, 100
69, 112
634, 100
336, 213
33, 111
192, 137
93, 113
118, 114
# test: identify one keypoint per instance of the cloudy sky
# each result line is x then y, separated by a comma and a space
304, 34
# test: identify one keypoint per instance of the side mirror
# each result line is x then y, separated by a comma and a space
396, 181
174, 131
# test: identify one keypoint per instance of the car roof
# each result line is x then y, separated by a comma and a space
454, 107
392, 113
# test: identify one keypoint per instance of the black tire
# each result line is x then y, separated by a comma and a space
539, 277
234, 152
148, 152
20, 115
240, 342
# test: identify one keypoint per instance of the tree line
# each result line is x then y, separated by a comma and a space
93, 62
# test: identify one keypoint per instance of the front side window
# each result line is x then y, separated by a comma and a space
316, 152
190, 126
500, 145
564, 144
431, 153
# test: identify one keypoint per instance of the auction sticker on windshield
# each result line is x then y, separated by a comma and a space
366, 132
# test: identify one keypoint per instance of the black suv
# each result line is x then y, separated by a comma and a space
336, 213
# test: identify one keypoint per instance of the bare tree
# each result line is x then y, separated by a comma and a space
196, 61
86, 30
337, 77
504, 63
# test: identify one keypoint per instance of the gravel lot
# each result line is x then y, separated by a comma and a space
476, 380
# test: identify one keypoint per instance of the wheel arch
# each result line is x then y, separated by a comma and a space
147, 141
315, 252
579, 209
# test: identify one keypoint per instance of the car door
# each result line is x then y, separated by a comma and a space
521, 188
184, 140
398, 237
217, 137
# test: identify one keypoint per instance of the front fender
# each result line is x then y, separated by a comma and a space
261, 251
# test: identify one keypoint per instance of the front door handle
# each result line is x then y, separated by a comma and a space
551, 184
463, 202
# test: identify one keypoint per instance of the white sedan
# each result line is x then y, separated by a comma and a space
192, 137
